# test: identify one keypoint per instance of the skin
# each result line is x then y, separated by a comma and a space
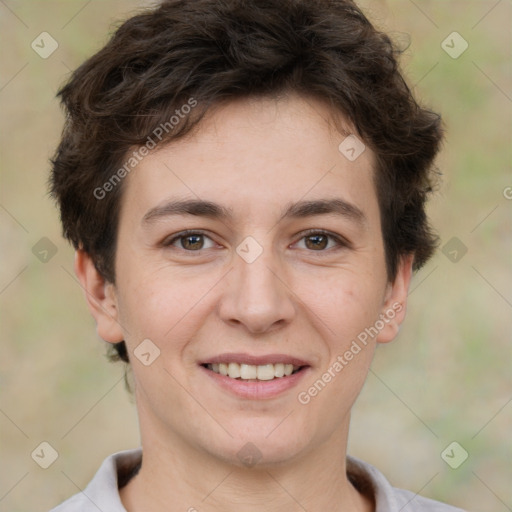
294, 299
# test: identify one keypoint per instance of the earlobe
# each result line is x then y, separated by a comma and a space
395, 303
101, 298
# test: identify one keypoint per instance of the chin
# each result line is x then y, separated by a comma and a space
261, 446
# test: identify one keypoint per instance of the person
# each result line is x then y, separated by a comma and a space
245, 183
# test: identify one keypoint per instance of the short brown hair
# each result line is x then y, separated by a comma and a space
217, 50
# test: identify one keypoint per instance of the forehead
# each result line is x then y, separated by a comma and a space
253, 155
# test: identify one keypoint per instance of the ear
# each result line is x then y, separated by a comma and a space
395, 301
101, 298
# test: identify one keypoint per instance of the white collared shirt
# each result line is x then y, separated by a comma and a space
102, 493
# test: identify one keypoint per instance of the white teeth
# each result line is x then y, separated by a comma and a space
266, 372
248, 371
234, 370
252, 372
279, 370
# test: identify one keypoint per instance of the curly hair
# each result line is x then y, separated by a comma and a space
217, 50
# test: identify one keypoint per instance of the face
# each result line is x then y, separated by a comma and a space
252, 247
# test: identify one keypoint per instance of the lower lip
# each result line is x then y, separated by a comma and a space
257, 390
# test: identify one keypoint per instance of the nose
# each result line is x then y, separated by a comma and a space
257, 296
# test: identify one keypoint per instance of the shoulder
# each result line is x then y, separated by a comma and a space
370, 480
102, 492
409, 502
76, 503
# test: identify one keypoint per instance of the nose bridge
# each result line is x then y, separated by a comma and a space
257, 295
259, 276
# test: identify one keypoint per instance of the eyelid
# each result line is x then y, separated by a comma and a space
340, 240
169, 240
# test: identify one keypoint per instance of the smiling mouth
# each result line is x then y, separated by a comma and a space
250, 372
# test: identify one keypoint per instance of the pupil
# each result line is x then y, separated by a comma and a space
318, 242
196, 242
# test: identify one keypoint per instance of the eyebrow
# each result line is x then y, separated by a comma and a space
334, 206
300, 209
196, 207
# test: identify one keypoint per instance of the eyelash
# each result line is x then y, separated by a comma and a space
340, 241
183, 234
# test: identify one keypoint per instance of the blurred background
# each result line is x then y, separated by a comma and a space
446, 379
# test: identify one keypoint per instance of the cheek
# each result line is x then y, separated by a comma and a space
344, 310
166, 309
344, 303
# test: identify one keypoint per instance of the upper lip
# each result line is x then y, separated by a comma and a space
255, 360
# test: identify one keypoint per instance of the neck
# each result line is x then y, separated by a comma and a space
176, 473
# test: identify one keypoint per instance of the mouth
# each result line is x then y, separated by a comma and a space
252, 372
255, 377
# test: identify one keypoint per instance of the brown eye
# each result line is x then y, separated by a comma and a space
317, 242
189, 241
192, 242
